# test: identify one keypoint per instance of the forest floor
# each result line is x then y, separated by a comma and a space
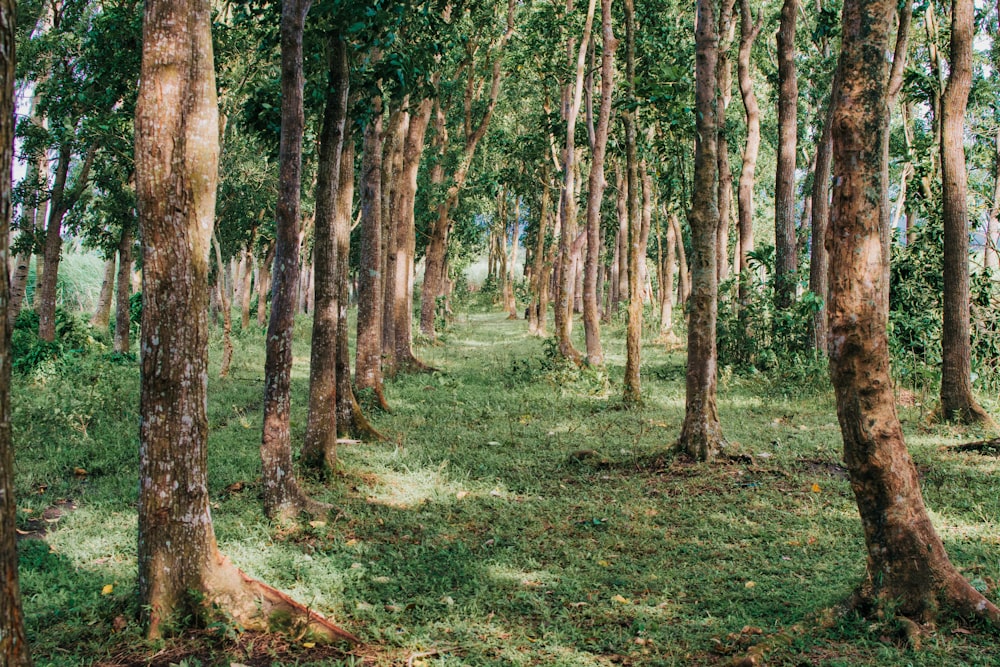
516, 515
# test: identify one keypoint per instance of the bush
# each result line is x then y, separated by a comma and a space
31, 354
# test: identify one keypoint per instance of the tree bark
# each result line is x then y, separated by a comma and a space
368, 354
182, 575
33, 217
14, 651
701, 434
819, 260
102, 313
283, 499
63, 199
749, 29
123, 301
391, 212
957, 400
319, 449
595, 192
541, 268
907, 564
785, 254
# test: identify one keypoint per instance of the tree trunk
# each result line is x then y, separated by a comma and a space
510, 261
568, 207
666, 281
725, 76
33, 217
633, 328
595, 192
123, 302
227, 310
683, 269
701, 435
991, 250
246, 291
785, 257
749, 29
283, 499
14, 650
264, 285
368, 359
402, 309
391, 212
819, 260
319, 449
182, 575
957, 400
63, 199
908, 568
102, 313
541, 268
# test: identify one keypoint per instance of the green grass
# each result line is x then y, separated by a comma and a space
518, 515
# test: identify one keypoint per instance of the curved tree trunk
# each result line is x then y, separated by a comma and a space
102, 313
907, 564
595, 192
701, 435
368, 359
957, 400
319, 449
785, 258
14, 650
123, 302
182, 575
283, 499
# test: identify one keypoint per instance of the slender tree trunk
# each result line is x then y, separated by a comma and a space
701, 435
666, 279
14, 650
819, 260
227, 310
633, 328
907, 564
541, 268
991, 253
102, 314
725, 76
749, 29
368, 359
957, 400
595, 192
568, 205
34, 216
785, 254
283, 499
511, 260
403, 276
264, 285
319, 449
246, 291
63, 199
683, 269
391, 213
123, 303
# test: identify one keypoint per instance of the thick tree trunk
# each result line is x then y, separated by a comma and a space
368, 359
957, 400
102, 313
14, 650
785, 257
701, 435
319, 449
182, 575
283, 499
123, 301
595, 192
908, 569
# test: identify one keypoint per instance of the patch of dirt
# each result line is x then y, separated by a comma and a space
820, 467
37, 527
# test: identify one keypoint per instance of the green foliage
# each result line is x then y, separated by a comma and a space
32, 356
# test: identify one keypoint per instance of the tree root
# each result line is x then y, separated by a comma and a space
984, 447
360, 427
258, 606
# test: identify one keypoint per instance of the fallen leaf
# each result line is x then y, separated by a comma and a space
461, 494
108, 588
604, 563
621, 600
317, 524
961, 631
351, 542
79, 472
815, 488
308, 644
750, 584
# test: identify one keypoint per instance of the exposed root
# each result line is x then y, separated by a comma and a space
257, 606
360, 427
984, 447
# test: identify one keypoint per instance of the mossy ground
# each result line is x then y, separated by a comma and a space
517, 515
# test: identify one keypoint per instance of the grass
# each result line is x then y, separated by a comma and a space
518, 515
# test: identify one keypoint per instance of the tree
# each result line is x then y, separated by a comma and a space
749, 29
785, 260
283, 498
319, 450
701, 434
957, 400
595, 191
14, 650
907, 564
182, 575
633, 328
